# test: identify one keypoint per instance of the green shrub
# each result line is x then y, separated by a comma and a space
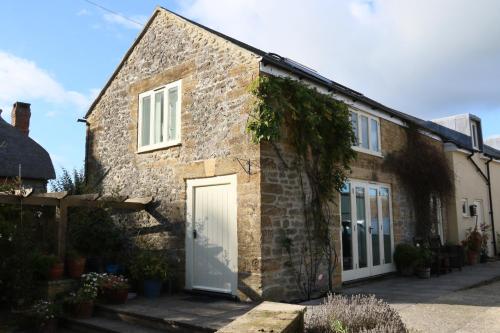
424, 259
358, 313
405, 255
149, 265
17, 249
93, 233
42, 264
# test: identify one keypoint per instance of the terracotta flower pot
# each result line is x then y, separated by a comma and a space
472, 257
56, 271
116, 296
83, 310
424, 273
50, 326
407, 271
76, 267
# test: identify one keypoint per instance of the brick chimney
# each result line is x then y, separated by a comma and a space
21, 114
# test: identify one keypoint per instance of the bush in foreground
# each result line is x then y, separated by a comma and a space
358, 313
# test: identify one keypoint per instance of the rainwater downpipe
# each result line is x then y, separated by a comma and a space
491, 207
487, 179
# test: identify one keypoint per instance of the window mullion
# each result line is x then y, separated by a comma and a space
152, 118
166, 120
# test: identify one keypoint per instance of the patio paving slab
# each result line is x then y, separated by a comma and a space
461, 301
200, 311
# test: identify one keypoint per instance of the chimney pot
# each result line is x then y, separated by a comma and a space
21, 114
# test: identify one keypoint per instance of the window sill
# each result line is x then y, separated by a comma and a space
151, 148
367, 151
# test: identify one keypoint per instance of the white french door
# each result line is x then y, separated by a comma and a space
367, 232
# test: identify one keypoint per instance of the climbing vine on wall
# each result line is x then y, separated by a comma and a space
319, 129
426, 175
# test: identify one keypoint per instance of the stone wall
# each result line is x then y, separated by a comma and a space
215, 104
282, 210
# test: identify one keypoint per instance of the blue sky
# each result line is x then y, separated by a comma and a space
58, 54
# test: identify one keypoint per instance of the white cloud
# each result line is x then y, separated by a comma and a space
51, 114
22, 79
134, 22
83, 12
425, 57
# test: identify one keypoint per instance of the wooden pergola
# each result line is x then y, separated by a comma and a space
62, 201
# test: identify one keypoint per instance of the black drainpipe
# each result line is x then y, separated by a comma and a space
491, 207
488, 183
87, 135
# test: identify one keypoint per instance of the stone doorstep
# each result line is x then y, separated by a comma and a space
104, 325
152, 322
52, 288
269, 317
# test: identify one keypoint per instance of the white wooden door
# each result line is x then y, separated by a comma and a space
211, 238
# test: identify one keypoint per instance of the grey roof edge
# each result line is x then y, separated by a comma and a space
122, 62
141, 34
448, 135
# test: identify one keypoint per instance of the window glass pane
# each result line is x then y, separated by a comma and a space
158, 126
386, 220
374, 135
172, 113
475, 141
374, 227
364, 132
361, 226
354, 122
145, 120
345, 207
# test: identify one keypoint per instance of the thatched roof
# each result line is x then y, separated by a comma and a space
19, 149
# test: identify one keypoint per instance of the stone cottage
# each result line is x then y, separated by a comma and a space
171, 123
20, 155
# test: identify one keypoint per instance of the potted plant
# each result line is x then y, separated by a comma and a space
82, 301
424, 262
43, 315
75, 263
114, 289
56, 269
48, 266
473, 241
483, 257
150, 268
405, 257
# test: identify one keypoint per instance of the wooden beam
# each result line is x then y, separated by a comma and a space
117, 198
61, 218
83, 200
56, 195
33, 200
143, 200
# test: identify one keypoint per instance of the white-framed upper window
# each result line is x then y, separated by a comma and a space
474, 135
465, 207
160, 117
366, 131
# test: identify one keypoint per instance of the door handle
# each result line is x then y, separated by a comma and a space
195, 234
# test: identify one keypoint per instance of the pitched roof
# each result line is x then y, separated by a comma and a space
302, 71
17, 149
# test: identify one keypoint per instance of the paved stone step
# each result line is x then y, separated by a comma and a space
104, 325
151, 322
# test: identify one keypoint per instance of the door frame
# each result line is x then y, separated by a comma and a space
369, 270
191, 185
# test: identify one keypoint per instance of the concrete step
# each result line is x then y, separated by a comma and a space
104, 325
148, 321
